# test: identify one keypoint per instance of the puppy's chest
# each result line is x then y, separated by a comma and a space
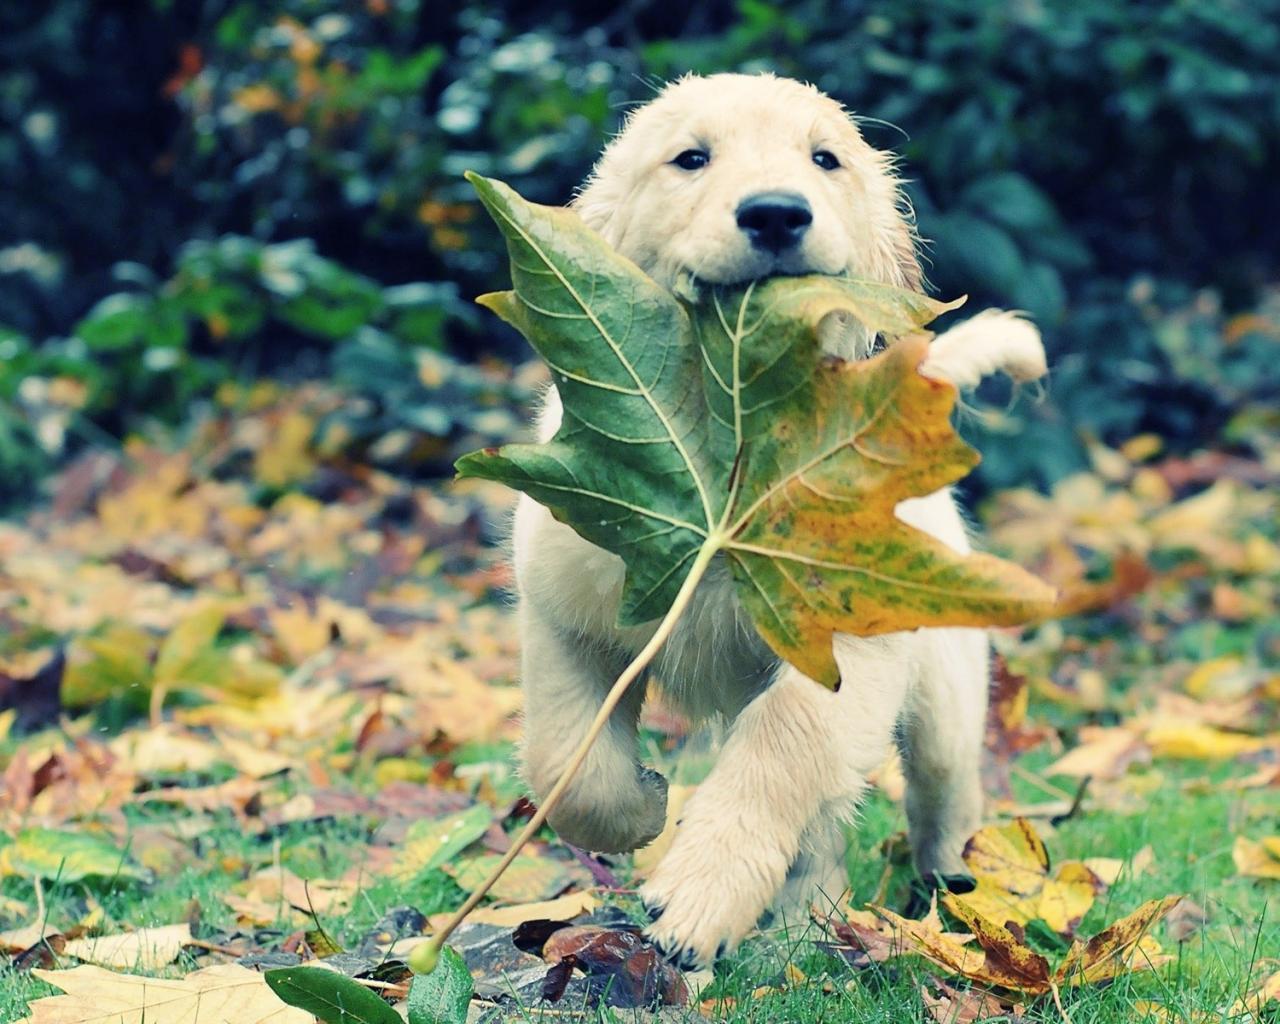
714, 662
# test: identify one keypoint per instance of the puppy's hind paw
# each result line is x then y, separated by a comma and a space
614, 818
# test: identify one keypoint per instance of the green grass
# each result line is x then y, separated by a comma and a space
1190, 833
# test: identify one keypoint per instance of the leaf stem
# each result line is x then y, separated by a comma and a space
423, 959
1057, 1001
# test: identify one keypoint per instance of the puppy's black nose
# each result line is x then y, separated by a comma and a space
775, 221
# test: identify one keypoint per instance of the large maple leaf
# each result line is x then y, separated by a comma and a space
720, 427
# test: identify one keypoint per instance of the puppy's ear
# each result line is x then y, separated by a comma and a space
896, 257
601, 200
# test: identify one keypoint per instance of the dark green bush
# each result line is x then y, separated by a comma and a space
204, 189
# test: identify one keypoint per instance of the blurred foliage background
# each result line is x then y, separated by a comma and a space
200, 193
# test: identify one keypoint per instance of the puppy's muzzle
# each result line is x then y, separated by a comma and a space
775, 221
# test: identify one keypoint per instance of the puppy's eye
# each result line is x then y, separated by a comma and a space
692, 159
826, 159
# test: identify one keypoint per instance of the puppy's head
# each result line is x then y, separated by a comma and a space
736, 177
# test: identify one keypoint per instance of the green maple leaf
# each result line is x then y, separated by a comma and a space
720, 428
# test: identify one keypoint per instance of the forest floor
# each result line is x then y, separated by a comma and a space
260, 708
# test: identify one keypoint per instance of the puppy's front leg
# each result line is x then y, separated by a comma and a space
614, 804
795, 752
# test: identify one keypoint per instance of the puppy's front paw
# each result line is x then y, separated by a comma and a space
709, 890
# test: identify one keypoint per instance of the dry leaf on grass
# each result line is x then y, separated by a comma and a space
216, 995
528, 878
646, 858
946, 1004
147, 949
1011, 866
1260, 859
565, 907
1267, 992
1004, 962
272, 892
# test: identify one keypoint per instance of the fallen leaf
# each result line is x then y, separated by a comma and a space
1254, 859
946, 1004
67, 856
564, 908
1185, 919
215, 995
1023, 970
430, 844
1199, 742
333, 997
147, 949
1268, 991
1118, 949
1102, 753
264, 898
1003, 961
527, 879
620, 964
1011, 868
647, 857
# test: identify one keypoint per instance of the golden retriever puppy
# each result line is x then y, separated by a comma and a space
726, 179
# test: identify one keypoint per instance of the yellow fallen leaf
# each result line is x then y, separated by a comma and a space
1268, 991
646, 858
215, 995
1257, 859
147, 949
178, 661
563, 908
1195, 741
165, 749
272, 892
1011, 856
286, 457
527, 878
1109, 869
1011, 867
1104, 753
299, 632
1067, 897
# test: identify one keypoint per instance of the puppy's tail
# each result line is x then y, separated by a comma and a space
994, 341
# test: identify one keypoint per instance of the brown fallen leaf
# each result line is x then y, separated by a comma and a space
1008, 734
215, 995
620, 963
1185, 919
1004, 962
946, 1004
1120, 948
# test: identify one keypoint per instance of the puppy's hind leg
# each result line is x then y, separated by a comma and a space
614, 804
941, 741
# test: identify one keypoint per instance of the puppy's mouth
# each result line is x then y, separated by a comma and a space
689, 285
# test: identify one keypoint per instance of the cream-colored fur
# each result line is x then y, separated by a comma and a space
766, 822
